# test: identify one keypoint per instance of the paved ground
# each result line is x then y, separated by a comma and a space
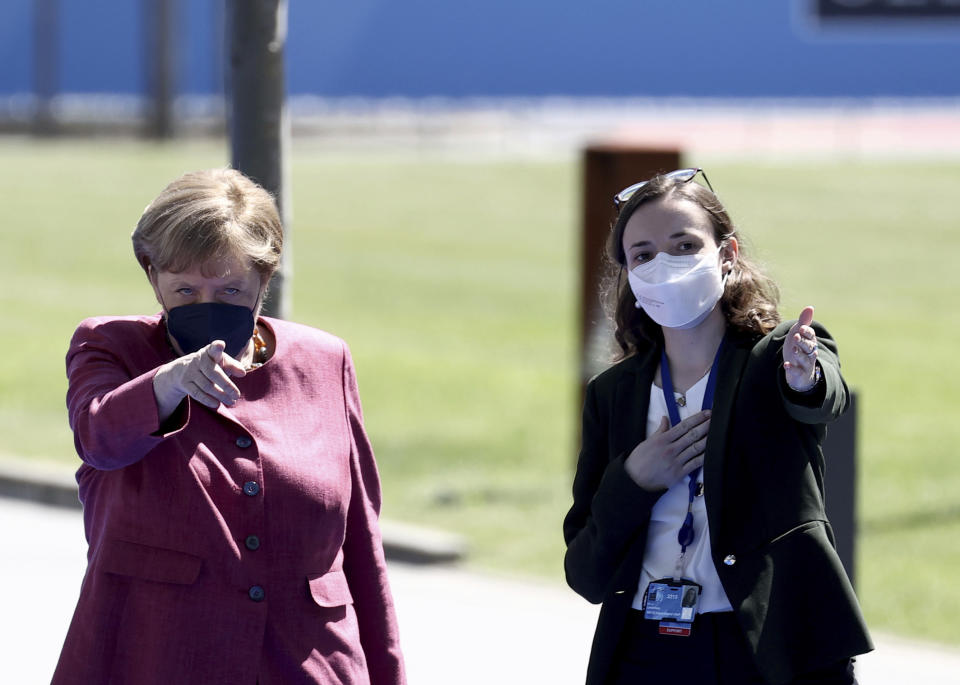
483, 628
754, 129
478, 128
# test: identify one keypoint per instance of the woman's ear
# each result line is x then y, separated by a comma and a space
729, 253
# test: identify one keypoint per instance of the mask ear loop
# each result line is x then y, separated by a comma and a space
256, 305
259, 346
732, 262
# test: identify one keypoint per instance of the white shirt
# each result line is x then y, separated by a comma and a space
663, 550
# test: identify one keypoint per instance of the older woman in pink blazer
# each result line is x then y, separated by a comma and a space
230, 494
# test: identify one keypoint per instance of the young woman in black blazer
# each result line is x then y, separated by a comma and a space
698, 518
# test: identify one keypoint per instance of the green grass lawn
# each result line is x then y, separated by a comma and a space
455, 283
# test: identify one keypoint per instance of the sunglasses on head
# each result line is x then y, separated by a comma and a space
680, 175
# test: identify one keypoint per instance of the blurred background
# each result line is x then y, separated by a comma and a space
435, 186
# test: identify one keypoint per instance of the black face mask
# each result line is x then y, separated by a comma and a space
195, 326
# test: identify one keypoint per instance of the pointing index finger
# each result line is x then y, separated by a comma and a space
232, 366
215, 350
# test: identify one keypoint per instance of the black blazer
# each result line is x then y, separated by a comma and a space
763, 482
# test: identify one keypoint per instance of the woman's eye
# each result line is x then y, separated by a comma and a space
686, 247
641, 257
231, 291
186, 292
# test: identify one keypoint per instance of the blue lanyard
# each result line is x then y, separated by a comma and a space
685, 536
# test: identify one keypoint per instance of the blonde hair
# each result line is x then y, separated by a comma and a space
209, 215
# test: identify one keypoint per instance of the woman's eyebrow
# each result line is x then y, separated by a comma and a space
234, 283
673, 236
183, 283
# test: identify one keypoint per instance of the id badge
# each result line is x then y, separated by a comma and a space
673, 603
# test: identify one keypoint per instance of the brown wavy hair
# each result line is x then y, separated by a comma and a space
750, 297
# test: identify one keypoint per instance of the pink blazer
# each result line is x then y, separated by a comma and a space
239, 546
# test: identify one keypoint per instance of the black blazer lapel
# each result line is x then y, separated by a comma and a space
631, 402
628, 428
733, 359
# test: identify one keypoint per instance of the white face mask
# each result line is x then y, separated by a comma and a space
678, 292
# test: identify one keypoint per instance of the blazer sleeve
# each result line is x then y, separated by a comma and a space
364, 563
830, 398
610, 512
112, 410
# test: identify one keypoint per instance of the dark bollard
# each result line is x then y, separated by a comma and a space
840, 453
608, 168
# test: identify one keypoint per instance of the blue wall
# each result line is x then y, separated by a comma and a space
509, 48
